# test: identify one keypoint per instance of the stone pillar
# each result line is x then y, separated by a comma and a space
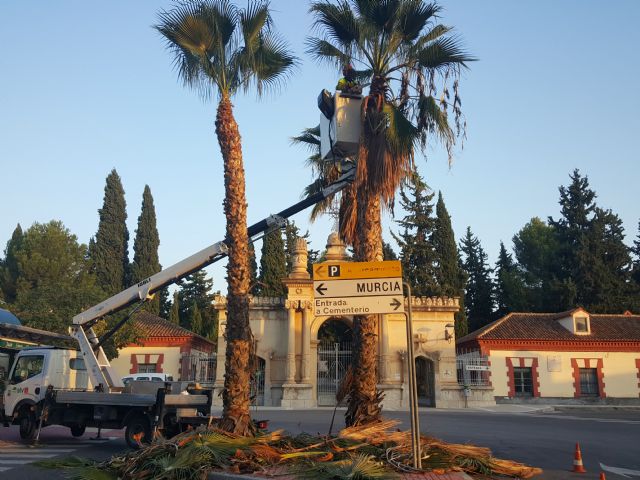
306, 342
300, 256
291, 342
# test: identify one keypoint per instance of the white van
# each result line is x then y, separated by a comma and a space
148, 377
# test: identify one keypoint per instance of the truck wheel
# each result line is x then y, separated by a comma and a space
28, 427
78, 430
138, 432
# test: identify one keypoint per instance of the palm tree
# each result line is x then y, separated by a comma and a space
398, 46
220, 48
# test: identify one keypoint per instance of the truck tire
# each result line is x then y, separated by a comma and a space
137, 425
28, 426
78, 430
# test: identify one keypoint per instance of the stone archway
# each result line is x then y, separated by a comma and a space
426, 381
335, 342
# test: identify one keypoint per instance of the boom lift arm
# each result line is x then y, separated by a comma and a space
102, 375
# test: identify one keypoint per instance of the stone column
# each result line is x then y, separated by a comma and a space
291, 342
306, 341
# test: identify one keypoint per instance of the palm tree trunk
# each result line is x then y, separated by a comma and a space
364, 399
235, 413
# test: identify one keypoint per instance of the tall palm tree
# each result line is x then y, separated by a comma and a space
219, 48
399, 47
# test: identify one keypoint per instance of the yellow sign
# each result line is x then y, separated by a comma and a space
356, 270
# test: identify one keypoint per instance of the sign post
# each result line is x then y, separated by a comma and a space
369, 288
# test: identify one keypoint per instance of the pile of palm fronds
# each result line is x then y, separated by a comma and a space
365, 452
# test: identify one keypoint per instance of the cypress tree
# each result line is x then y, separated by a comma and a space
196, 319
9, 267
479, 292
273, 265
388, 253
509, 288
253, 270
449, 274
145, 248
174, 314
416, 249
109, 254
635, 272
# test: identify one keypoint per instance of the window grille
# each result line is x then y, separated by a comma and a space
589, 382
523, 381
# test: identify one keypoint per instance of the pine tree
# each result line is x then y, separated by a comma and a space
479, 292
9, 266
509, 286
196, 288
109, 254
536, 250
53, 278
449, 274
145, 248
174, 314
593, 256
612, 267
416, 249
273, 265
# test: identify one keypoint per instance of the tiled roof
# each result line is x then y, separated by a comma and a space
150, 325
545, 326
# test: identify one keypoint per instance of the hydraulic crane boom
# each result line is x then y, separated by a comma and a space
95, 359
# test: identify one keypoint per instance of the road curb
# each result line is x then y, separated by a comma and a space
404, 476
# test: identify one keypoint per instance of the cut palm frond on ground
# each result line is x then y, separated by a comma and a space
367, 452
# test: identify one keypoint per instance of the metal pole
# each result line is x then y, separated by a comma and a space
413, 391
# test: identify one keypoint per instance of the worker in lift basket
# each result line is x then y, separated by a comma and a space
348, 83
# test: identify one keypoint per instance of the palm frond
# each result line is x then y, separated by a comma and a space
253, 20
379, 15
337, 20
323, 51
413, 17
443, 53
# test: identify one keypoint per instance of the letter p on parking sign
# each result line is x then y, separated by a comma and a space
334, 270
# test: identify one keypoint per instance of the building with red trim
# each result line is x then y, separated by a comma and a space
164, 347
569, 356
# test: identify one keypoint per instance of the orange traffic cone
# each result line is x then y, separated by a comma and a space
577, 461
602, 477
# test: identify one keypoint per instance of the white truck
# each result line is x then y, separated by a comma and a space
79, 388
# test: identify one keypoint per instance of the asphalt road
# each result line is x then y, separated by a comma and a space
546, 440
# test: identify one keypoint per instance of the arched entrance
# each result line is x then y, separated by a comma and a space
335, 340
425, 382
257, 383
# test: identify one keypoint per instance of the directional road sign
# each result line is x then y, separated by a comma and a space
356, 270
367, 287
357, 288
358, 305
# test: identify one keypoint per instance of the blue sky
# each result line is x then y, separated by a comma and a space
88, 86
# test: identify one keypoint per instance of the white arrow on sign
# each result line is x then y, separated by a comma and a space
369, 287
358, 305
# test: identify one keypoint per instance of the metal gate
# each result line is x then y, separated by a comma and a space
257, 383
198, 368
425, 382
333, 361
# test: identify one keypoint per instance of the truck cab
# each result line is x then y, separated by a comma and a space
33, 370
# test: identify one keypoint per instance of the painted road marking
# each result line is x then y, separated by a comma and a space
625, 472
3, 469
30, 455
5, 451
